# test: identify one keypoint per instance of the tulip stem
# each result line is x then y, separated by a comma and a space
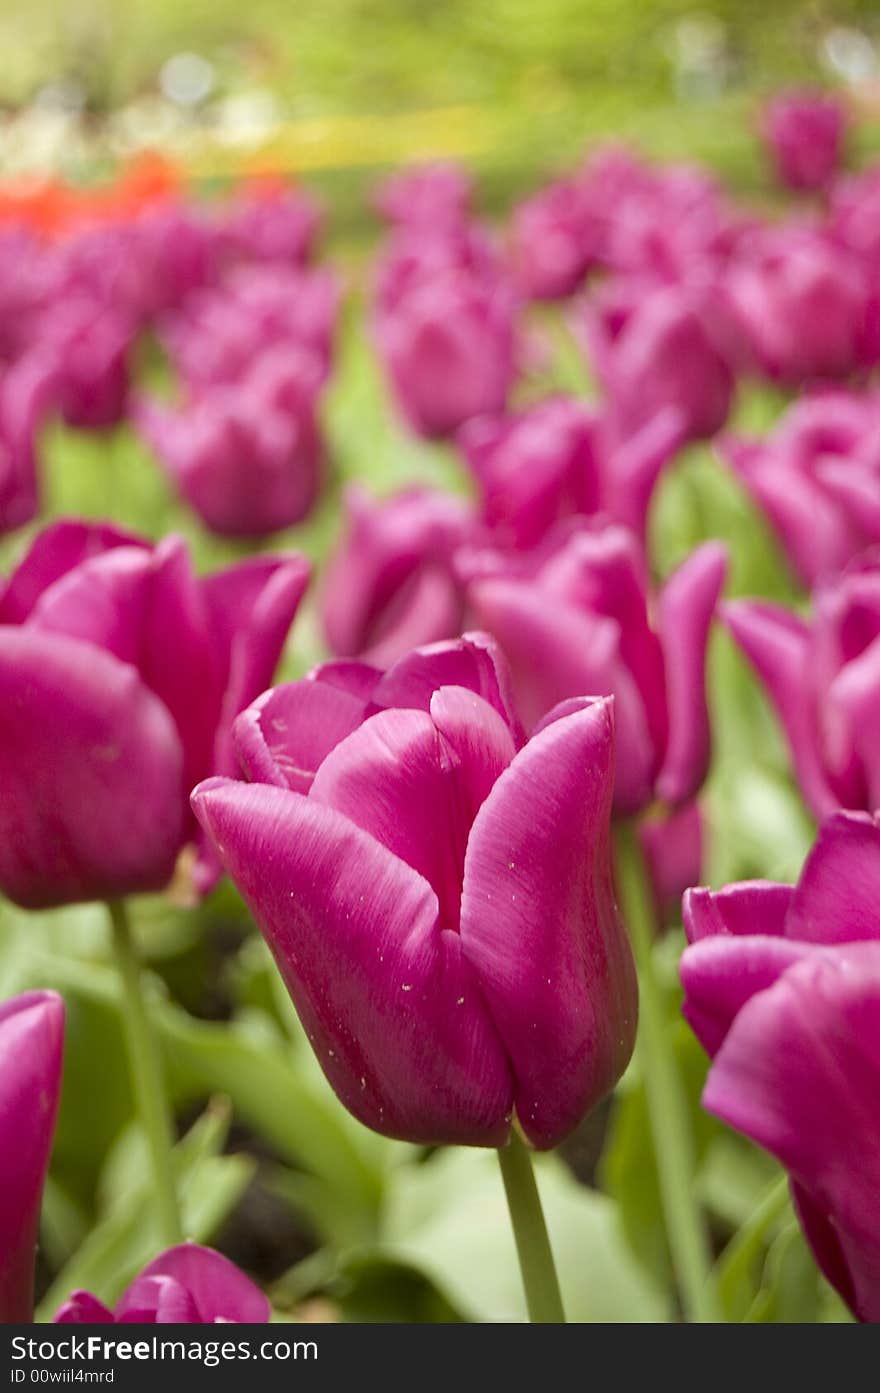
145, 1067
543, 1297
667, 1103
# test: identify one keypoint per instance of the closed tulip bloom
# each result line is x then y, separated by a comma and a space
270, 221
448, 345
823, 676
816, 477
31, 1046
439, 902
804, 134
782, 987
391, 584
248, 458
89, 342
561, 459
674, 349
120, 674
579, 617
806, 307
187, 1285
556, 239
428, 196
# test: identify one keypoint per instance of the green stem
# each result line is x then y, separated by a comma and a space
667, 1104
543, 1298
145, 1066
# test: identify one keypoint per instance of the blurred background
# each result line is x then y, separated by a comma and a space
340, 89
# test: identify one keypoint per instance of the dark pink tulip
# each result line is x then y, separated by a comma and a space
429, 196
804, 133
439, 902
575, 618
88, 341
122, 673
782, 987
219, 333
391, 583
268, 221
31, 1046
449, 350
561, 459
673, 350
27, 390
247, 457
187, 1285
673, 844
817, 479
823, 677
555, 237
854, 216
805, 305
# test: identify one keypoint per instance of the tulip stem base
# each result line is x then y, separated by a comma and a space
543, 1297
145, 1067
667, 1103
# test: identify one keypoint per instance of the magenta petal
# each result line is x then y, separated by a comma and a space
673, 846
217, 1288
473, 661
386, 997
777, 644
91, 771
824, 1240
426, 608
31, 1045
687, 605
81, 1308
540, 927
751, 907
103, 601
721, 974
157, 1301
856, 692
415, 780
837, 898
285, 735
53, 552
798, 1073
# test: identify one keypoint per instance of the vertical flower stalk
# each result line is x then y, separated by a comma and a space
145, 1068
667, 1106
540, 1282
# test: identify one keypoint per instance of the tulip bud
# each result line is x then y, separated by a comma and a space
187, 1285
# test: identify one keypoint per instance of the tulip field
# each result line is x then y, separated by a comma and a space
440, 738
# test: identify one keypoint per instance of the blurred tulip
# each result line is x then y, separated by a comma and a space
248, 458
31, 1046
816, 477
575, 618
823, 677
121, 674
27, 390
804, 134
439, 903
428, 196
187, 1285
555, 241
88, 343
391, 585
268, 221
782, 987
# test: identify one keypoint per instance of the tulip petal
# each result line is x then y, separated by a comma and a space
720, 974
687, 605
474, 661
798, 1071
31, 1044
217, 1288
540, 927
81, 1308
56, 550
386, 997
837, 898
856, 691
284, 736
91, 772
750, 908
415, 780
777, 644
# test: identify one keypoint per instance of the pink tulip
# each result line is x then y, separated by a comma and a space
438, 901
187, 1285
121, 674
31, 1045
782, 987
804, 133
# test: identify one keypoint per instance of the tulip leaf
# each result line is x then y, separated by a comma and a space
448, 1219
